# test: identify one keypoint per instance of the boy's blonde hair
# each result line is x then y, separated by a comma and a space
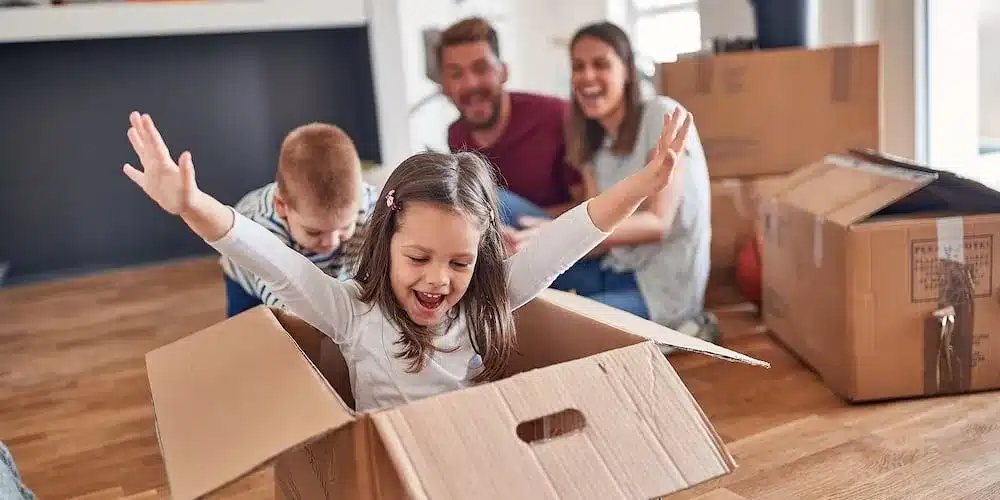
319, 166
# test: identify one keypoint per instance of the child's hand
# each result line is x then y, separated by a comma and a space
515, 239
510, 243
170, 185
527, 221
668, 149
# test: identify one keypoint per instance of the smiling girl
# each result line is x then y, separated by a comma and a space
431, 307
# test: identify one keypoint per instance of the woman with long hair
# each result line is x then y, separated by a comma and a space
656, 263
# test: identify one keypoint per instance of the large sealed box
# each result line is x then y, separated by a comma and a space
881, 275
591, 409
769, 112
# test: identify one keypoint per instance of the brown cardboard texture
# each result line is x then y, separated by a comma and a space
879, 274
771, 111
591, 409
736, 214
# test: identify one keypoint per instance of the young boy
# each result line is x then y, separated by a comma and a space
318, 205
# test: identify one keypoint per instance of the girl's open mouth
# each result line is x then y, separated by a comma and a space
429, 301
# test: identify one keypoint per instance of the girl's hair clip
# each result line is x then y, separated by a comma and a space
390, 199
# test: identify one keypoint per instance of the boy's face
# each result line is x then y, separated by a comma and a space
317, 230
432, 256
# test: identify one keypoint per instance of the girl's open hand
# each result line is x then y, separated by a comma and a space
668, 149
171, 185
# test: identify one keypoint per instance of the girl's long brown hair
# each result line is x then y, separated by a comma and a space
583, 135
465, 183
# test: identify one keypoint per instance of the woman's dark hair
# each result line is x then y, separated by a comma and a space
583, 135
465, 183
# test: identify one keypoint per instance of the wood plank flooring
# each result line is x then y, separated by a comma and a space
75, 407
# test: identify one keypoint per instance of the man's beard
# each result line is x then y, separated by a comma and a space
495, 105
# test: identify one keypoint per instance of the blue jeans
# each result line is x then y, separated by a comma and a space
618, 290
586, 278
513, 207
237, 299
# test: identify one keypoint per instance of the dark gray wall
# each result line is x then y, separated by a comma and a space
67, 208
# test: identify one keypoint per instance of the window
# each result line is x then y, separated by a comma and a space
957, 125
665, 29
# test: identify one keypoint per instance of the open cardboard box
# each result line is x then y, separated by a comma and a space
591, 409
880, 274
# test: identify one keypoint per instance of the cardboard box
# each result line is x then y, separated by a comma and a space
772, 111
735, 219
735, 215
592, 409
860, 251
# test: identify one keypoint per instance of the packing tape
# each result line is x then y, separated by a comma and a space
840, 86
951, 239
818, 241
771, 221
736, 188
704, 75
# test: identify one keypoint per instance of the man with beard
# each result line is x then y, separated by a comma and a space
521, 133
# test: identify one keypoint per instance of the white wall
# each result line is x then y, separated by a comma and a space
989, 70
427, 125
893, 24
726, 19
953, 84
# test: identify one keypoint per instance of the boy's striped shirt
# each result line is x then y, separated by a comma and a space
258, 206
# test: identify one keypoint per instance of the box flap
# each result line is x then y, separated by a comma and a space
619, 424
948, 192
847, 189
631, 323
230, 398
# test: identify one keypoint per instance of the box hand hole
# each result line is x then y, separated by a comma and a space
551, 426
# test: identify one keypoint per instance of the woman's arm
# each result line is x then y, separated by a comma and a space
561, 243
650, 222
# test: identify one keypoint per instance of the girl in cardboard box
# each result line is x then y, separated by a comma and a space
430, 307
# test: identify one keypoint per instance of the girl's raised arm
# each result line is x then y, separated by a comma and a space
556, 247
305, 289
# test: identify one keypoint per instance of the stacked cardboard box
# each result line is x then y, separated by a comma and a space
764, 114
735, 221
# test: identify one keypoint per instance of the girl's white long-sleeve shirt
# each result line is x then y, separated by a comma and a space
379, 379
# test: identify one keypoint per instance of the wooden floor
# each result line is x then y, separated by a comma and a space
76, 413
